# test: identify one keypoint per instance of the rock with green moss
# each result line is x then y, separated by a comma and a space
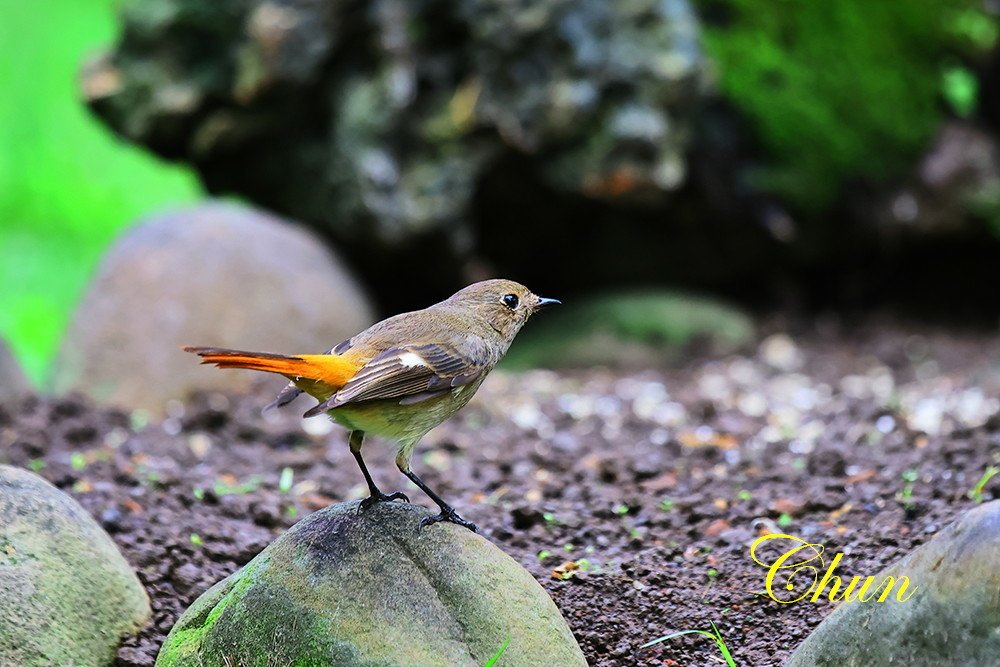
629, 329
68, 596
951, 612
349, 589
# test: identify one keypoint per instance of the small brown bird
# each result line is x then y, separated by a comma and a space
404, 375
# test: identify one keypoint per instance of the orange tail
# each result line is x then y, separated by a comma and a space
317, 374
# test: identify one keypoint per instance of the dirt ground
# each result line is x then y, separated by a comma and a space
653, 483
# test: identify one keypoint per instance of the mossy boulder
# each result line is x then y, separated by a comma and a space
68, 596
629, 328
951, 618
350, 589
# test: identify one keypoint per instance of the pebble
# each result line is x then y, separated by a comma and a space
885, 424
780, 351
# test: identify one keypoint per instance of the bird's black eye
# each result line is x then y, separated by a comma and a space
510, 300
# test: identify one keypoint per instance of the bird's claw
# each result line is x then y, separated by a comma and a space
450, 515
381, 498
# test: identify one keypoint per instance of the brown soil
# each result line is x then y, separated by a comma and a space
658, 480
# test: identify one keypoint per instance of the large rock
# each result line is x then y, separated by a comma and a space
214, 275
68, 596
380, 121
952, 617
13, 383
348, 589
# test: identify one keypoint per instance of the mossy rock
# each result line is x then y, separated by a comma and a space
68, 596
363, 589
639, 329
951, 617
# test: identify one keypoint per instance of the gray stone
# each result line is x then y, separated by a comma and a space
349, 589
68, 595
216, 275
952, 618
13, 382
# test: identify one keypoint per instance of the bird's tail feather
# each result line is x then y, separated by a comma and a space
318, 374
256, 361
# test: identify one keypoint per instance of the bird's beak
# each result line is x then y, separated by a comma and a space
545, 303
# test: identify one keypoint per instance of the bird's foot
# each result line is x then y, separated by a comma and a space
380, 497
449, 514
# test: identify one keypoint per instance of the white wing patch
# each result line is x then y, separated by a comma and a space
411, 359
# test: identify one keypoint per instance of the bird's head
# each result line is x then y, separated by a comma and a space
504, 304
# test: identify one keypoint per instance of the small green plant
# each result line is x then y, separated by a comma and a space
77, 461
905, 496
976, 493
222, 488
785, 520
543, 554
714, 635
496, 656
666, 504
621, 509
286, 480
196, 539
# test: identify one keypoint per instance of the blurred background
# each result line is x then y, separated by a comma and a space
278, 173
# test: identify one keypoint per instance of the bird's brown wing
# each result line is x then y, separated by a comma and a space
409, 373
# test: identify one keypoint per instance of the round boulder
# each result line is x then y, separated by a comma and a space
349, 589
217, 275
68, 594
949, 616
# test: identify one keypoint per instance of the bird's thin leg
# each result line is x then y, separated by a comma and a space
376, 495
447, 512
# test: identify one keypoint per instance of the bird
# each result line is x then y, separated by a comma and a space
402, 376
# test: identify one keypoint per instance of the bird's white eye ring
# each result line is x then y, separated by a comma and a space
510, 300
